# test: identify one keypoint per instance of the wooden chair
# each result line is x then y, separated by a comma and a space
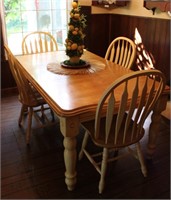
38, 42
125, 129
121, 51
28, 96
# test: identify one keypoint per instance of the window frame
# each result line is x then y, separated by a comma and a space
4, 27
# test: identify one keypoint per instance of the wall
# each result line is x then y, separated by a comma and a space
104, 25
134, 7
155, 35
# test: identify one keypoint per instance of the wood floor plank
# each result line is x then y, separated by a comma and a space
37, 171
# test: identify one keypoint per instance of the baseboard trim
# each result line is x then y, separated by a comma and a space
9, 92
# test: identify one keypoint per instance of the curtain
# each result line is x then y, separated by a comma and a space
3, 31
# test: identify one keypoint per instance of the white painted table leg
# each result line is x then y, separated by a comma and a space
70, 156
70, 128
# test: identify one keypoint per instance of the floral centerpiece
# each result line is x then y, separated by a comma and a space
75, 37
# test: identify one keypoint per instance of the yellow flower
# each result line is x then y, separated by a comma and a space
74, 46
74, 4
71, 27
76, 15
74, 32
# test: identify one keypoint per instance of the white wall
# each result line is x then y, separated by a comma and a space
134, 7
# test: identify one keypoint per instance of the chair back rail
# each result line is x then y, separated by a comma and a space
38, 42
29, 97
121, 51
132, 117
120, 116
27, 93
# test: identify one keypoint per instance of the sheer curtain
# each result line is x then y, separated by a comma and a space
32, 15
2, 27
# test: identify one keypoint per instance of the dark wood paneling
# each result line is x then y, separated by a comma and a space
155, 35
86, 10
99, 37
7, 80
2, 42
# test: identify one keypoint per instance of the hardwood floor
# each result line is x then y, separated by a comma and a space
37, 171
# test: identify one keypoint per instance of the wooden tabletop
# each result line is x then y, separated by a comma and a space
74, 98
70, 95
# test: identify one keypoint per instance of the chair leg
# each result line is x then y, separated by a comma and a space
141, 159
43, 118
52, 113
28, 132
84, 143
23, 108
103, 170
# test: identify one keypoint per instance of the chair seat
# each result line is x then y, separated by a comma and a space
38, 42
89, 126
111, 132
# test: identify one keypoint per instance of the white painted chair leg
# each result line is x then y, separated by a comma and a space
28, 132
103, 170
84, 143
21, 115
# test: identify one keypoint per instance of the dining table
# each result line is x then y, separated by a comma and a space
73, 93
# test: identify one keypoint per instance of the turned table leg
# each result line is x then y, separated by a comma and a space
70, 157
70, 128
155, 123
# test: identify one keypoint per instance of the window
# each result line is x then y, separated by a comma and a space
24, 16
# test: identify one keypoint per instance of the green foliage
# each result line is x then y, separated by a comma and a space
12, 4
13, 15
75, 37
